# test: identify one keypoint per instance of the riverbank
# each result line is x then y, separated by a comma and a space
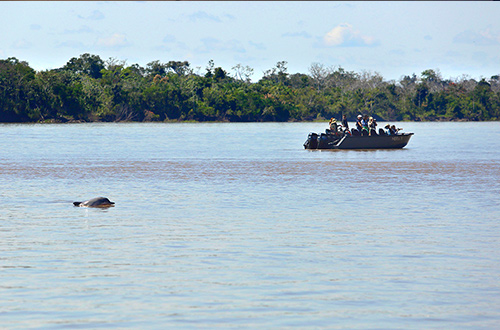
173, 92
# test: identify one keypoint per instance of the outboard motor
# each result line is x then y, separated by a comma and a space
312, 141
323, 141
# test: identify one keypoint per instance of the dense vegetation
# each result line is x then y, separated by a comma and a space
90, 89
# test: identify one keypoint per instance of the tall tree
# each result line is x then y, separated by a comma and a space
90, 65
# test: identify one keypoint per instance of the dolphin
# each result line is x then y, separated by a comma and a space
95, 202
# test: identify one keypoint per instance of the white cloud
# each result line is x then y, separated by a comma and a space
115, 41
484, 37
201, 15
95, 16
345, 35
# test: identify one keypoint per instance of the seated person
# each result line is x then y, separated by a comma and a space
364, 122
394, 130
364, 125
372, 126
333, 126
359, 125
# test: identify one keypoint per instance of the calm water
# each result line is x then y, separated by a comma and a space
237, 226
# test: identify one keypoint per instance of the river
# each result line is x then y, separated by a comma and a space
236, 226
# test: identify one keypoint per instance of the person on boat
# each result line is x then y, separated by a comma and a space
387, 129
364, 122
333, 125
392, 130
395, 130
372, 126
345, 123
359, 125
364, 125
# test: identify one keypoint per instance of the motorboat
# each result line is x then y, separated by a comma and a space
354, 140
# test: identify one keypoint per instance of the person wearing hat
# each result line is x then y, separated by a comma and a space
359, 125
333, 125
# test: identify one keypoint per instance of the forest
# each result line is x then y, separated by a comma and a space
90, 89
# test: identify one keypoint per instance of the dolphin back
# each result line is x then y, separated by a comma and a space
95, 202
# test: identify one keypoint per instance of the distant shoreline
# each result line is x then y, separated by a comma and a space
53, 121
88, 89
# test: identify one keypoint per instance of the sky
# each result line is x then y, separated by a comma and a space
393, 39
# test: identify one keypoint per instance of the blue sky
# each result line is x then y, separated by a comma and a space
391, 38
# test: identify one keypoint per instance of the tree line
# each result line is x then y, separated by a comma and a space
88, 88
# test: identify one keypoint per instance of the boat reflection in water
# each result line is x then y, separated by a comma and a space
354, 140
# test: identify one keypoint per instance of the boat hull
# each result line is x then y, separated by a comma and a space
330, 141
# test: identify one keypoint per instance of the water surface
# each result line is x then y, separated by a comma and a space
237, 226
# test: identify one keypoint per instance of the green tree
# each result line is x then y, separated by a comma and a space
156, 68
15, 80
87, 64
180, 68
